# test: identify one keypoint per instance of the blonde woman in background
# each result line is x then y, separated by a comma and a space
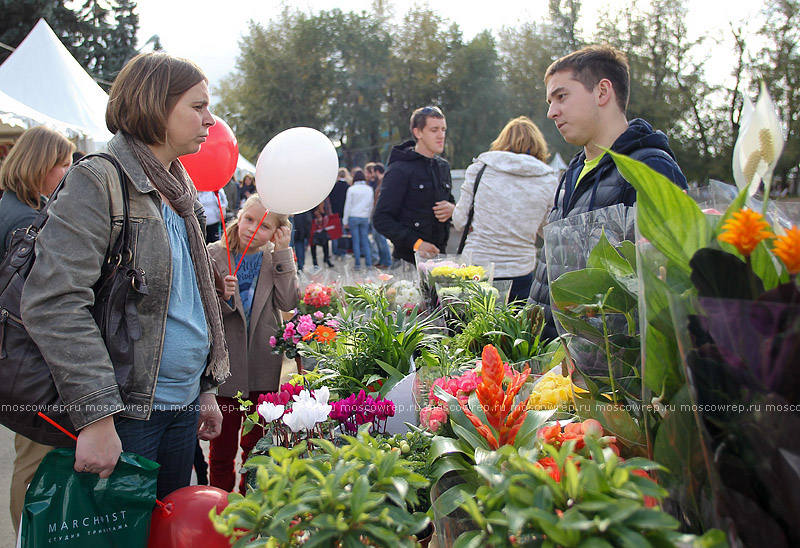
514, 195
30, 173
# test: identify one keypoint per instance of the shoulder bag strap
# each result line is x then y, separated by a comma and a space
471, 211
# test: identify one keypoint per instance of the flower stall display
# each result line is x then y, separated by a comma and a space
317, 327
358, 494
318, 297
358, 409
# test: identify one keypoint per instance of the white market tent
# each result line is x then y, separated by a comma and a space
42, 83
558, 163
16, 118
43, 76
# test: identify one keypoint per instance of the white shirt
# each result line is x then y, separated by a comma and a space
209, 202
514, 196
359, 201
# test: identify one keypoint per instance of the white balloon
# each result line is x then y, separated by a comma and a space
296, 170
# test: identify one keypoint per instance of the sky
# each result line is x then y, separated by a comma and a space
209, 31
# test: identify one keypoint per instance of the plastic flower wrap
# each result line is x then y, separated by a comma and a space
317, 297
404, 294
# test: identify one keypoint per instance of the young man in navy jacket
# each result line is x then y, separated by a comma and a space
588, 91
416, 201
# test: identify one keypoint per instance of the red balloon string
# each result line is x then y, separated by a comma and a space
224, 231
251, 239
74, 437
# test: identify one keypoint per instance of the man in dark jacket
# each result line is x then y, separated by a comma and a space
416, 201
588, 95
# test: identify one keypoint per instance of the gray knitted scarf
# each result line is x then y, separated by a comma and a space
176, 186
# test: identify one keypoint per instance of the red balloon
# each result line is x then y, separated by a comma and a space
184, 522
215, 164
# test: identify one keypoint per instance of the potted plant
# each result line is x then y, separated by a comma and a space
355, 495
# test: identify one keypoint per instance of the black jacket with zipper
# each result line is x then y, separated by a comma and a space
404, 212
603, 186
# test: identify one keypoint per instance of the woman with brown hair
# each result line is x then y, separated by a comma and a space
158, 111
30, 173
513, 197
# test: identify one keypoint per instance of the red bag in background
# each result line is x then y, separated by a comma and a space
333, 226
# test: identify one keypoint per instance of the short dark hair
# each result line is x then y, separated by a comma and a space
379, 167
145, 92
358, 174
591, 64
419, 118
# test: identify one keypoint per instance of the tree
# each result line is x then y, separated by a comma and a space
779, 64
100, 35
419, 55
284, 77
474, 98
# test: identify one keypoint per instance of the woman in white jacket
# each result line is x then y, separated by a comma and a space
514, 195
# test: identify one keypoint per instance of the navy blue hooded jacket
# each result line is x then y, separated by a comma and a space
404, 212
601, 187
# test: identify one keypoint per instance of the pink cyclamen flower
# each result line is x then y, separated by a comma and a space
319, 315
273, 341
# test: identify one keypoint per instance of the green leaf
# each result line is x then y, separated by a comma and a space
359, 494
666, 216
606, 257
534, 420
628, 250
470, 539
451, 499
646, 518
588, 287
595, 542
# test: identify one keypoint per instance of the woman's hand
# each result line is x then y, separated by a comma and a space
443, 210
282, 237
98, 448
229, 286
209, 425
427, 250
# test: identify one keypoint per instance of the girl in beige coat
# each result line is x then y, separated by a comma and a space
265, 284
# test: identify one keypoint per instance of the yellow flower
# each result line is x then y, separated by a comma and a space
552, 391
745, 230
787, 249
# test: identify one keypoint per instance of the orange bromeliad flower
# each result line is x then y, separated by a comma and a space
787, 249
496, 403
324, 334
745, 230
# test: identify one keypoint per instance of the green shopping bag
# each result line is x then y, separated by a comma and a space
65, 508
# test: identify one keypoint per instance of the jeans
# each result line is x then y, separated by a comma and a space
359, 228
168, 438
300, 252
385, 256
225, 446
520, 287
335, 249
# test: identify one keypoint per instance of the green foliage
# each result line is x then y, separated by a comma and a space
336, 495
598, 501
514, 328
375, 342
101, 35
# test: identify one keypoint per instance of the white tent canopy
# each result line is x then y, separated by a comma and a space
558, 163
43, 75
16, 117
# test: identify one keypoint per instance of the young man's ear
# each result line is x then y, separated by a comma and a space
605, 92
416, 133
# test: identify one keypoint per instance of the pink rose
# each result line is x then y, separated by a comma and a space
432, 418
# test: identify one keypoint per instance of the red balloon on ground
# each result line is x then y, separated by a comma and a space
184, 523
215, 164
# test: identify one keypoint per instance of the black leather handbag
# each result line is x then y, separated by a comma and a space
26, 384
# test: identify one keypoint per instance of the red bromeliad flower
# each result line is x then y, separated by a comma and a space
496, 403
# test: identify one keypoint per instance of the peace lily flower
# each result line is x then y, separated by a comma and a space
759, 144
